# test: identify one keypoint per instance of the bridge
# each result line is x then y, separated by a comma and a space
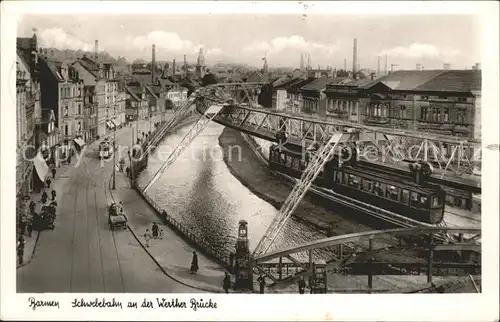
231, 105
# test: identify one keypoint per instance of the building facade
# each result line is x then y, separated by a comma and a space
28, 112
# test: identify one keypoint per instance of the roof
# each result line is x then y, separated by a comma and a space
151, 91
294, 88
281, 81
406, 79
165, 82
317, 84
131, 91
288, 83
53, 66
454, 81
144, 79
90, 65
24, 49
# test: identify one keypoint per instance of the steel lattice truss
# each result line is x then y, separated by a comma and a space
451, 156
298, 192
198, 127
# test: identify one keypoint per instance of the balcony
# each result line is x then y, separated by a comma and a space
377, 120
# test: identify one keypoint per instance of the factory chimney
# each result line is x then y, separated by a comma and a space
185, 66
378, 65
96, 49
345, 64
418, 67
173, 67
385, 68
153, 65
355, 56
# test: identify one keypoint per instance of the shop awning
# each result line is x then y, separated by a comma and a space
80, 142
42, 169
110, 124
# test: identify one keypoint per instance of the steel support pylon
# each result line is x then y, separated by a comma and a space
197, 128
308, 176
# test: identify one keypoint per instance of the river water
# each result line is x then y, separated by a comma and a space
201, 193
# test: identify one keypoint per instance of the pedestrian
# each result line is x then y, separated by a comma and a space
154, 229
226, 283
20, 249
194, 263
120, 208
54, 172
32, 206
262, 283
22, 225
44, 197
147, 237
161, 233
127, 170
53, 193
48, 183
29, 227
302, 285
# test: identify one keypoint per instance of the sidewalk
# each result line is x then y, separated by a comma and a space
59, 185
171, 253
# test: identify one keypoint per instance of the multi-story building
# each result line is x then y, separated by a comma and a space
343, 99
313, 97
121, 107
178, 96
90, 113
137, 104
294, 95
62, 92
28, 112
102, 76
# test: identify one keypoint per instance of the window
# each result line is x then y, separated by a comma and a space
62, 92
446, 115
379, 188
424, 98
392, 193
402, 111
367, 185
435, 114
424, 113
66, 110
436, 201
462, 99
79, 109
354, 181
405, 196
66, 129
461, 116
345, 180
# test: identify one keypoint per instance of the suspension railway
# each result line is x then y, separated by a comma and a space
231, 105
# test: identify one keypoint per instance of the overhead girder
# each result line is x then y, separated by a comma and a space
400, 145
356, 237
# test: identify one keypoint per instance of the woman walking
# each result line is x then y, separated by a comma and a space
194, 263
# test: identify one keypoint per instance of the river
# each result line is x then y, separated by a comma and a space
200, 192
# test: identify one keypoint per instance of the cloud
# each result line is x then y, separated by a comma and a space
280, 44
417, 50
58, 38
169, 41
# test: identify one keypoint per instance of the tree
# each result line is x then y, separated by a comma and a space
209, 79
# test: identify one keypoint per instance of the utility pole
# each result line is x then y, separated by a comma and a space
114, 152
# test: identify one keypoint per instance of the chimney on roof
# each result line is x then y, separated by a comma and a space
372, 76
153, 65
446, 66
355, 56
96, 49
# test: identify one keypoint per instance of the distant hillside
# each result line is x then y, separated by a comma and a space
68, 54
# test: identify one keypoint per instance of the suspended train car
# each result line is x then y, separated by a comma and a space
412, 198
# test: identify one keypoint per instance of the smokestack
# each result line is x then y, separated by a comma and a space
153, 65
345, 64
446, 66
385, 68
173, 67
418, 67
185, 66
96, 49
378, 65
355, 56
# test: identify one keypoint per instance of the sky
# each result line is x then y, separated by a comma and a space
407, 40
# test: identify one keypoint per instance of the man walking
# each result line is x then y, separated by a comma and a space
147, 237
48, 183
54, 172
226, 283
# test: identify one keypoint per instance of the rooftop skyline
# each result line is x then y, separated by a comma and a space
407, 40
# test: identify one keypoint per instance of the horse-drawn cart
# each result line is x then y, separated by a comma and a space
116, 217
